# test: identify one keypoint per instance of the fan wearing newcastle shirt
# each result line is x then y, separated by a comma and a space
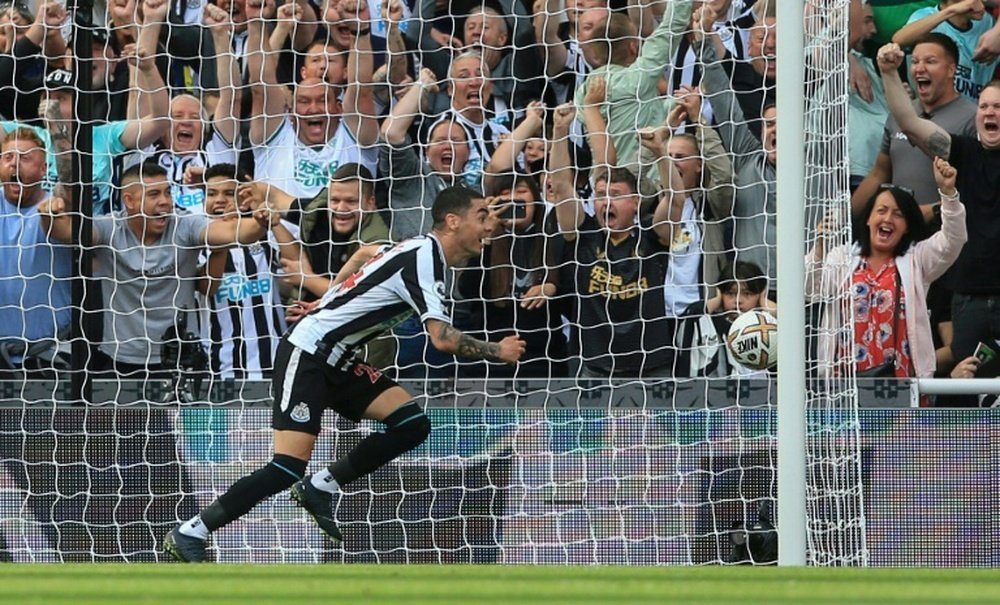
187, 148
471, 92
316, 370
559, 42
245, 318
620, 265
298, 150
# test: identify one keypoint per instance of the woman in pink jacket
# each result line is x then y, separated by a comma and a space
888, 271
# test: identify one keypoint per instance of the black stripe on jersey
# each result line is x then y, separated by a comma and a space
679, 66
239, 341
485, 145
405, 263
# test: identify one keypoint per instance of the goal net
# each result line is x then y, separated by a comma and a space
236, 154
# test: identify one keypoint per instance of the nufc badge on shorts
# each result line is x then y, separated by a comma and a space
300, 413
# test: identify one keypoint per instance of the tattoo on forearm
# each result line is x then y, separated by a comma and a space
939, 143
469, 347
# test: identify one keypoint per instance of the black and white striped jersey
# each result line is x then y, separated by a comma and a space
399, 281
243, 320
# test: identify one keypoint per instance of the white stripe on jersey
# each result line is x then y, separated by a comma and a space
396, 283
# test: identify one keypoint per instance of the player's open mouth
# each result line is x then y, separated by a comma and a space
991, 126
923, 83
184, 135
885, 232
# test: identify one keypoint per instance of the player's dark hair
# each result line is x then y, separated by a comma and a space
916, 225
946, 43
453, 200
743, 274
355, 172
146, 169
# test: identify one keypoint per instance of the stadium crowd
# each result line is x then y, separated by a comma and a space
243, 150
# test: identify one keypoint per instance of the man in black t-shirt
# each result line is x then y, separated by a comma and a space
619, 269
976, 281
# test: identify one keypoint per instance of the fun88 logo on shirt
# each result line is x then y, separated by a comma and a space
236, 287
187, 198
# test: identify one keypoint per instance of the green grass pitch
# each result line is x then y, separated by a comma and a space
486, 584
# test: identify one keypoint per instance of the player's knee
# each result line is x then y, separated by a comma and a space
410, 431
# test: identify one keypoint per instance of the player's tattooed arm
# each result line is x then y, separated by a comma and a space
448, 339
467, 346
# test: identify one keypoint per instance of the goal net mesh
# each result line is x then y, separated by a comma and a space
629, 434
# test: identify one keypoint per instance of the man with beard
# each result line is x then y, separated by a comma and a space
34, 273
331, 226
146, 259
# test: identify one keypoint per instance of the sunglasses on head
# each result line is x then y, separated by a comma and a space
894, 188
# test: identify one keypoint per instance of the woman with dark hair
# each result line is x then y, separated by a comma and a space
510, 288
888, 270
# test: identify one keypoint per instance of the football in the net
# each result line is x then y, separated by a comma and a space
753, 340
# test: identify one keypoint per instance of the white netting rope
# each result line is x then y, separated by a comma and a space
834, 490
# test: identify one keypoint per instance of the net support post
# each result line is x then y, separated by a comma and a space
791, 280
82, 187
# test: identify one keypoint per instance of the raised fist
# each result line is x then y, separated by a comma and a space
889, 57
51, 14
217, 19
597, 91
428, 81
563, 116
